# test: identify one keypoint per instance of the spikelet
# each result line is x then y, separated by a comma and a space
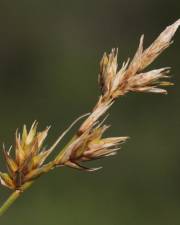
29, 155
90, 146
130, 77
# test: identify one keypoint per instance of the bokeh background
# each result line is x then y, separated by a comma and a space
49, 57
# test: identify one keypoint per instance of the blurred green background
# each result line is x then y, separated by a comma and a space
49, 57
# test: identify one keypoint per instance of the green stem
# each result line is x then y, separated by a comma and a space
12, 198
62, 151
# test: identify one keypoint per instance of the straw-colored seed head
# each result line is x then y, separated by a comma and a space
29, 155
90, 146
28, 161
131, 77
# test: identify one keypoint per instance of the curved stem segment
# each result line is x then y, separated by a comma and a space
12, 198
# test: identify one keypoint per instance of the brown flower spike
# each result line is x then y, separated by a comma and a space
27, 159
29, 155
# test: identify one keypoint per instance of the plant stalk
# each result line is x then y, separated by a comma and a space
13, 197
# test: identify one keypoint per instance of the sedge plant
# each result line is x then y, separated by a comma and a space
27, 160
